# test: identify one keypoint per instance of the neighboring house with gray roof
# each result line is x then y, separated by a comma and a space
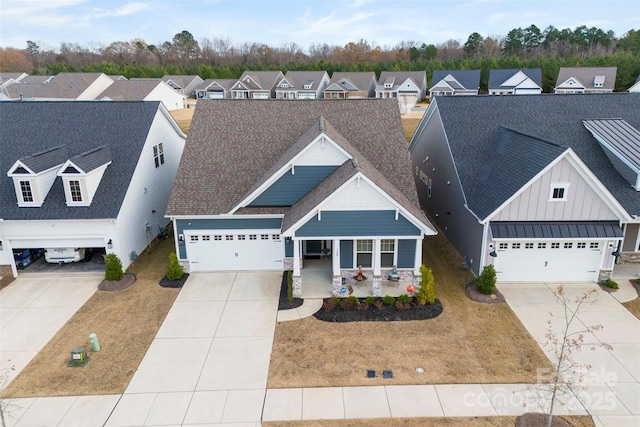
144, 90
61, 87
544, 187
256, 85
522, 81
586, 80
334, 183
455, 82
85, 175
351, 85
10, 78
302, 85
215, 89
184, 85
408, 87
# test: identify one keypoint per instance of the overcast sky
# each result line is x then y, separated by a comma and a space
384, 23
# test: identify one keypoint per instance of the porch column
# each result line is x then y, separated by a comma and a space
297, 280
335, 257
417, 262
377, 247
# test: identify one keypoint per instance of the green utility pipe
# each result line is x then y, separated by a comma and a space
93, 340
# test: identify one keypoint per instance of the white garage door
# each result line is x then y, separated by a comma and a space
79, 242
536, 261
234, 250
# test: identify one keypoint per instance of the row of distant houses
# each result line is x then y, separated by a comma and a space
408, 87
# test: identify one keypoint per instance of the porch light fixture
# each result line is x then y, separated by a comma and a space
1, 248
110, 244
615, 253
493, 252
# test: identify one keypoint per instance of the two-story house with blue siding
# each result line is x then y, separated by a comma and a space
544, 187
264, 184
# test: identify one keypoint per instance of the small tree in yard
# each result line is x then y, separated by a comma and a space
567, 374
174, 270
113, 268
486, 281
5, 405
426, 293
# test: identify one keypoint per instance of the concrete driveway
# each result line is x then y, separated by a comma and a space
33, 308
610, 390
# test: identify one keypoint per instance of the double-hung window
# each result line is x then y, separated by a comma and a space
387, 252
364, 253
158, 155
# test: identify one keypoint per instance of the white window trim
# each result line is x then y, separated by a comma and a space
395, 252
356, 252
32, 189
558, 185
158, 155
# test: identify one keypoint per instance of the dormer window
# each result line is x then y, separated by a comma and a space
34, 175
27, 193
284, 85
81, 175
598, 81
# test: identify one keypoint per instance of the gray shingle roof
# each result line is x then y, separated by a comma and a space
225, 83
130, 90
298, 78
45, 159
478, 135
399, 77
93, 159
29, 127
233, 144
586, 76
469, 79
264, 80
498, 76
361, 80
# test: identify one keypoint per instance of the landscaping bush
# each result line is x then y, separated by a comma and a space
329, 305
611, 284
113, 268
486, 281
388, 300
378, 304
427, 293
370, 299
174, 270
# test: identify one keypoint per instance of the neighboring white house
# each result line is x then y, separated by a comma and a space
61, 87
302, 85
184, 85
215, 89
256, 85
351, 85
408, 87
636, 86
525, 81
586, 80
144, 90
85, 175
455, 82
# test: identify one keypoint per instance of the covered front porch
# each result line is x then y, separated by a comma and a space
318, 282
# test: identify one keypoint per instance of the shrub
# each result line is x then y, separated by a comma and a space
378, 304
336, 300
290, 286
362, 306
370, 299
486, 281
353, 300
174, 270
329, 305
388, 300
405, 299
611, 284
113, 268
426, 293
346, 305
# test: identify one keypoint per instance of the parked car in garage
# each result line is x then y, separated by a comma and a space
24, 257
66, 255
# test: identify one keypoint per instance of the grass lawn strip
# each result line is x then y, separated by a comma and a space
468, 343
125, 321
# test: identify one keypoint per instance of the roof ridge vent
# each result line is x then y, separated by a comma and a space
322, 125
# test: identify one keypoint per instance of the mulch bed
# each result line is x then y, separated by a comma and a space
535, 419
166, 283
387, 313
117, 285
283, 303
475, 295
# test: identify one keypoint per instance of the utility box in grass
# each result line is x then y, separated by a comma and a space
78, 357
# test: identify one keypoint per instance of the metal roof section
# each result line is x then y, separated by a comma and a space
510, 230
621, 143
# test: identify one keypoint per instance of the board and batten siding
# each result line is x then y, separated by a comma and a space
293, 185
148, 193
582, 204
171, 99
357, 223
358, 196
224, 224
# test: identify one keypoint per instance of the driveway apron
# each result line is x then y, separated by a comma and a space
610, 389
210, 359
32, 309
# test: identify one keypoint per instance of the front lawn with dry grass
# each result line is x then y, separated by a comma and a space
468, 343
125, 322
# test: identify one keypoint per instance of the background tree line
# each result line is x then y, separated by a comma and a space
530, 47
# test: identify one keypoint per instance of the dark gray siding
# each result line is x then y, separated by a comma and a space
358, 223
346, 253
223, 224
631, 234
446, 206
406, 253
291, 187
